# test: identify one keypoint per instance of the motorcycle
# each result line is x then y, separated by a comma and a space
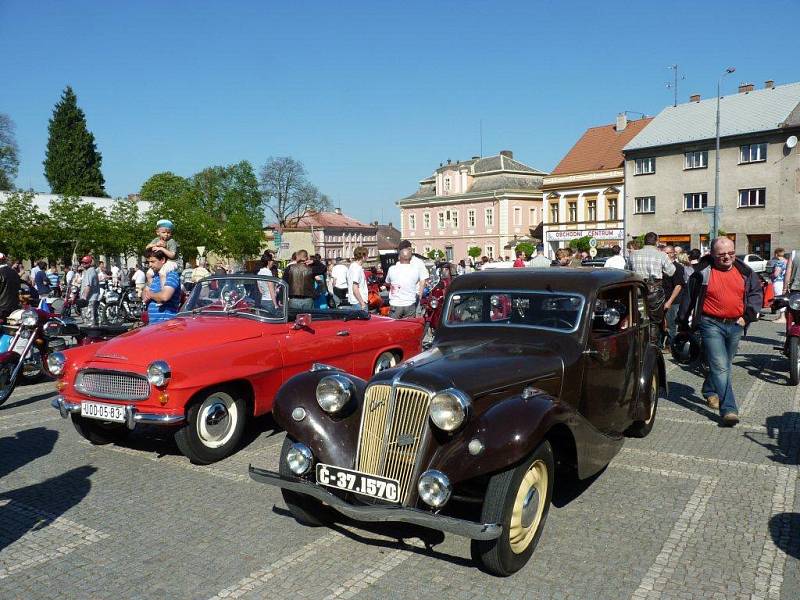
29, 336
791, 347
118, 306
432, 304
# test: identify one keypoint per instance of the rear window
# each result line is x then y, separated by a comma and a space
543, 310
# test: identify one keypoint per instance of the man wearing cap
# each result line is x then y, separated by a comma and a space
540, 260
90, 290
9, 288
163, 299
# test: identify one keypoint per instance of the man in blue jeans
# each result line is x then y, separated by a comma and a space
724, 296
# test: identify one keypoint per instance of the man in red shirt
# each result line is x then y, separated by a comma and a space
723, 297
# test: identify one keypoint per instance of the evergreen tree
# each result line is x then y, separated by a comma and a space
72, 164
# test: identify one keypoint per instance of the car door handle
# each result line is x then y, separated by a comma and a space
591, 353
343, 333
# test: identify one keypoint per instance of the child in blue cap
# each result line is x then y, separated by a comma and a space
168, 245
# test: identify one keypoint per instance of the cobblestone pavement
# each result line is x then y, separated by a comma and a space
692, 511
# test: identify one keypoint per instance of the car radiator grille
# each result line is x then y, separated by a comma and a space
392, 424
113, 385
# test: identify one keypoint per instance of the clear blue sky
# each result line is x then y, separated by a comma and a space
371, 96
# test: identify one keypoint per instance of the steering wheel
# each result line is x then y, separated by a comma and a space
557, 323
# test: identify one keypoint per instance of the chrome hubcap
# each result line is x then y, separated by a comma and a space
385, 362
529, 507
217, 419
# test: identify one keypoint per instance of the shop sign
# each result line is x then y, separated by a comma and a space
573, 234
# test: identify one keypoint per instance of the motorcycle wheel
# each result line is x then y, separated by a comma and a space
6, 383
794, 361
32, 368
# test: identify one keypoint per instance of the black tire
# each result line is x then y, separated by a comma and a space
214, 425
386, 360
508, 495
98, 432
305, 509
794, 361
6, 385
640, 429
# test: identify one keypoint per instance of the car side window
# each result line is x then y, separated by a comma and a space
612, 311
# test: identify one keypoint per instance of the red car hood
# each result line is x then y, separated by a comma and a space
171, 338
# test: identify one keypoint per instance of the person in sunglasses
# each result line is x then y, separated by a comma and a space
724, 296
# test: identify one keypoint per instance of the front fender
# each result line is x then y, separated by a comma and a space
510, 430
332, 439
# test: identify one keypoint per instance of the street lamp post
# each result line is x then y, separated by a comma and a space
715, 219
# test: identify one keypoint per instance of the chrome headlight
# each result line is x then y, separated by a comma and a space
29, 318
112, 297
333, 392
433, 303
449, 409
158, 373
434, 488
299, 459
53, 328
56, 362
794, 302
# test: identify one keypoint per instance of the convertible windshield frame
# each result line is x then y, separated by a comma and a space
486, 291
246, 277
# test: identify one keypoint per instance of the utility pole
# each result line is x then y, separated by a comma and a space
715, 218
481, 130
674, 84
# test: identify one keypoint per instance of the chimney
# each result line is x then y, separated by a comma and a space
507, 153
337, 210
449, 161
622, 121
745, 87
769, 84
694, 98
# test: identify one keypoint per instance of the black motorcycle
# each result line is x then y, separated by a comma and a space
118, 306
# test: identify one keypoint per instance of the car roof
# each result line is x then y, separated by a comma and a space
574, 279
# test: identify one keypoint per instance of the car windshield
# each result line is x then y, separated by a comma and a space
544, 310
253, 296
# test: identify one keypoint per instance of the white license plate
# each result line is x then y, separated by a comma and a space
103, 412
358, 483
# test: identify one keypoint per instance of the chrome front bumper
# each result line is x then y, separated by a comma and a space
381, 513
132, 414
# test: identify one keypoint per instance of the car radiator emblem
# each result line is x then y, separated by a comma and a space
376, 403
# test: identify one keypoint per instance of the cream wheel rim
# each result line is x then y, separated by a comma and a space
217, 419
528, 507
653, 398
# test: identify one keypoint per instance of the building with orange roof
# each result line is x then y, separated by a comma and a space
584, 194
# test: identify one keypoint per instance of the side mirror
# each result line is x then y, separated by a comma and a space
302, 321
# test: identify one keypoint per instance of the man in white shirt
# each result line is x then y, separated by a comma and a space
139, 280
540, 260
403, 282
115, 275
357, 292
418, 264
339, 279
616, 261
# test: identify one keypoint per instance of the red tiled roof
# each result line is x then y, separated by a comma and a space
599, 148
328, 219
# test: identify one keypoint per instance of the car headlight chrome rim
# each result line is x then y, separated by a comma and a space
434, 303
56, 362
794, 302
449, 409
159, 373
334, 392
299, 458
434, 488
29, 318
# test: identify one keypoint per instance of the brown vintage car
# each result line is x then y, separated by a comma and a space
530, 369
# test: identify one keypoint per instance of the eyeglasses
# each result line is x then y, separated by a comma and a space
724, 254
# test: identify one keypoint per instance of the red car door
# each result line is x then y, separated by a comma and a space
323, 341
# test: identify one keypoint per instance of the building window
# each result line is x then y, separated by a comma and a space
645, 205
489, 250
695, 160
554, 212
645, 166
611, 209
591, 210
440, 220
517, 216
412, 222
532, 213
489, 217
750, 153
695, 201
572, 211
426, 220
471, 217
454, 218
446, 185
752, 197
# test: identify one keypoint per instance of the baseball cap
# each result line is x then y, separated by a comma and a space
165, 223
86, 260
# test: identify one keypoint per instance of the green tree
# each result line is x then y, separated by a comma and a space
22, 227
581, 244
128, 230
9, 160
435, 254
72, 163
75, 228
526, 248
474, 251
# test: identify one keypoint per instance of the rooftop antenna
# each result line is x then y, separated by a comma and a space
481, 128
674, 83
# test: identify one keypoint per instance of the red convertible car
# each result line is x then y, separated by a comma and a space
217, 364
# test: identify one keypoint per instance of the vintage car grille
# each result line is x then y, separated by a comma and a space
113, 385
392, 425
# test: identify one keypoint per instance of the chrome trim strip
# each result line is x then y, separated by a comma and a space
381, 513
132, 414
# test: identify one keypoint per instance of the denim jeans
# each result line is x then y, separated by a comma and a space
301, 303
720, 341
672, 325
